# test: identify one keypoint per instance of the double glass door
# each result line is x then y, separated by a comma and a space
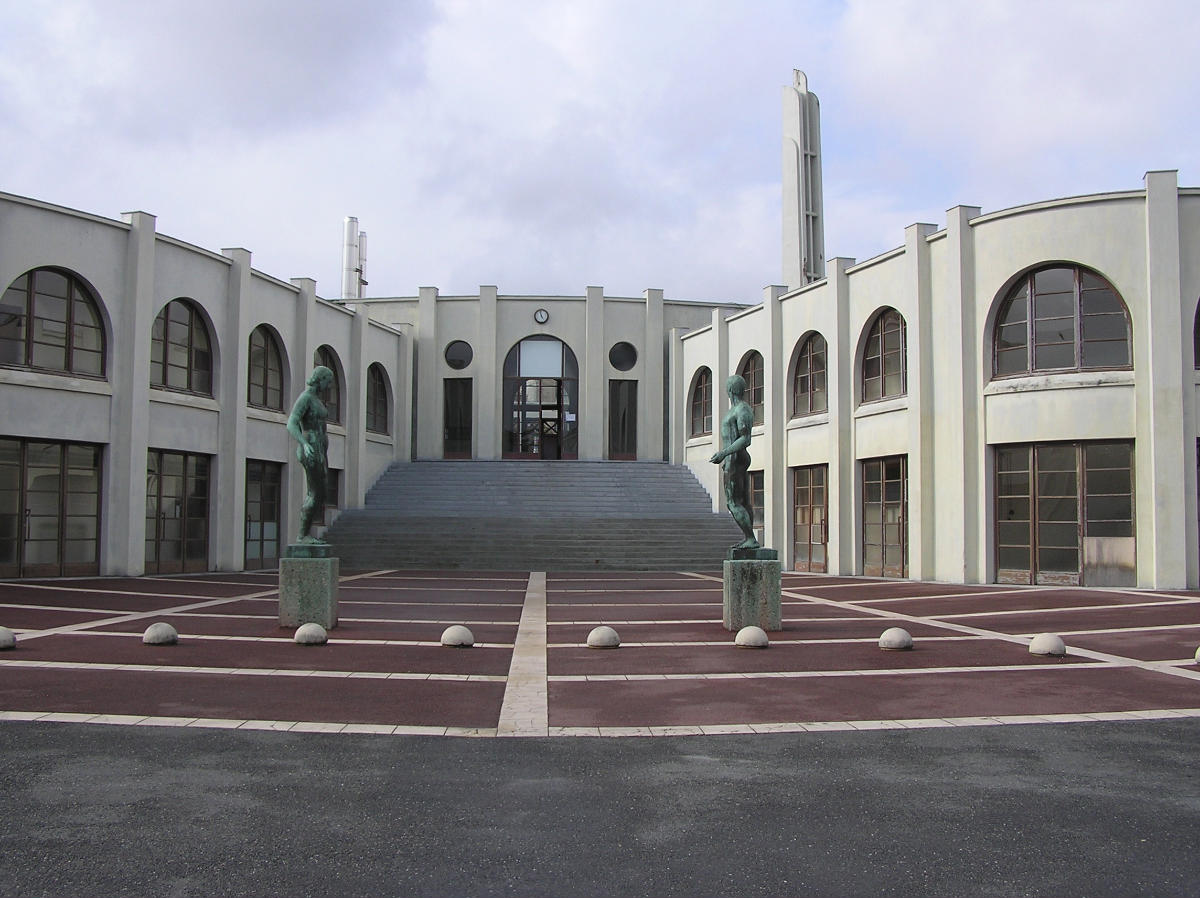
49, 509
176, 512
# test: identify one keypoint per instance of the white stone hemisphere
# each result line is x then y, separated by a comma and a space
1047, 644
1197, 655
895, 639
751, 638
160, 634
8, 639
458, 637
603, 638
310, 634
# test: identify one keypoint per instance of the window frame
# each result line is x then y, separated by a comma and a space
160, 343
258, 391
877, 333
700, 404
802, 365
79, 294
755, 377
1024, 288
377, 401
325, 356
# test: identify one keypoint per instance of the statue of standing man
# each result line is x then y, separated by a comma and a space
735, 459
307, 424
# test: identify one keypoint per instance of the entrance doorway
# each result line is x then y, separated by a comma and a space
541, 400
176, 512
1064, 514
49, 509
885, 516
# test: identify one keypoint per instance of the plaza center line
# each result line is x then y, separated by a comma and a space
524, 710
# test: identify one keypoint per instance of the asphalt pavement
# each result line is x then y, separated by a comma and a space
1087, 809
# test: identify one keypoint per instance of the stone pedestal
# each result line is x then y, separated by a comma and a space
753, 578
308, 586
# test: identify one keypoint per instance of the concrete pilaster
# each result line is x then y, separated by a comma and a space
593, 425
650, 402
356, 412
1165, 461
307, 339
125, 471
228, 552
677, 426
428, 394
772, 446
720, 329
958, 432
919, 362
486, 391
842, 519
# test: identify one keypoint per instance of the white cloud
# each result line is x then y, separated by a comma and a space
543, 146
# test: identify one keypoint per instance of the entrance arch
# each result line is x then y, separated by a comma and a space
541, 400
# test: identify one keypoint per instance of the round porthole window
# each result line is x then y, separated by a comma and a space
622, 356
459, 354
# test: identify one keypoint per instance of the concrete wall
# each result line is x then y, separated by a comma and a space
948, 283
134, 272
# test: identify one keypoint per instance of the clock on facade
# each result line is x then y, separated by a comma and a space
541, 316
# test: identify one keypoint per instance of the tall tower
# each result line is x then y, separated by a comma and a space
803, 205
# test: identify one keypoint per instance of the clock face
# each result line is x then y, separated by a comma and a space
541, 316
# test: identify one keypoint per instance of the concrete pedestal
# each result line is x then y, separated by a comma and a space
308, 587
752, 590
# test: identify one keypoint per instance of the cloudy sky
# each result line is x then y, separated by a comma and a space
545, 145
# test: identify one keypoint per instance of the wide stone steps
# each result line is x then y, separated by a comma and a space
490, 515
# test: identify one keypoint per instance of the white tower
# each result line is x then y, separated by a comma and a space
354, 260
803, 206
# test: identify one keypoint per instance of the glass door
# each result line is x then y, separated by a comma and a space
622, 420
456, 420
809, 537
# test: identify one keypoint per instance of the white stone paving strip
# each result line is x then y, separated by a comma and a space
254, 671
524, 711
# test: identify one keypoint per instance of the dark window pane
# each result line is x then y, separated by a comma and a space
1014, 311
1058, 560
1098, 302
1058, 509
1109, 354
1012, 558
1048, 358
1052, 280
1110, 508
1103, 327
1108, 455
1054, 305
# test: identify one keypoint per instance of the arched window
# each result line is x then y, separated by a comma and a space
809, 387
751, 370
377, 400
884, 363
700, 403
332, 396
1060, 318
266, 370
50, 321
180, 350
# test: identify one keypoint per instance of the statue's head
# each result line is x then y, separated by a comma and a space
320, 378
736, 386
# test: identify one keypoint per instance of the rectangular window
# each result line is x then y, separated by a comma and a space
456, 420
622, 419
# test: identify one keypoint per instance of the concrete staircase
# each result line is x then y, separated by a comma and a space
533, 515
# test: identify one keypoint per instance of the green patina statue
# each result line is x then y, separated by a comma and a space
735, 459
307, 424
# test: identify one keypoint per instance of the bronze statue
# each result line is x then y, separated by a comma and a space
735, 459
307, 424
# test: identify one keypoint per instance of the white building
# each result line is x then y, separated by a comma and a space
1010, 397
